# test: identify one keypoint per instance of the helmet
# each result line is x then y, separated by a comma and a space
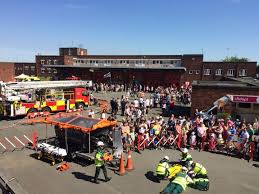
185, 150
184, 169
100, 143
166, 157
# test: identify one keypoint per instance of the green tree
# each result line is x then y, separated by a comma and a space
235, 59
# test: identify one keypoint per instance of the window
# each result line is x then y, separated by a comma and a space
242, 72
42, 70
218, 72
197, 72
55, 71
157, 62
230, 72
244, 105
49, 62
42, 61
26, 67
55, 61
191, 72
49, 70
207, 72
33, 68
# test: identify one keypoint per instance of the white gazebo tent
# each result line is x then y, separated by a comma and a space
22, 77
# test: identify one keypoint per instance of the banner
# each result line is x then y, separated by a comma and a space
246, 99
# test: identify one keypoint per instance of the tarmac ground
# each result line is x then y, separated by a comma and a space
227, 174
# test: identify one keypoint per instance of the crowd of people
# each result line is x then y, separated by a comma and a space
197, 133
159, 94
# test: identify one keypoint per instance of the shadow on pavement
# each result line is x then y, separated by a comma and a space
83, 176
150, 176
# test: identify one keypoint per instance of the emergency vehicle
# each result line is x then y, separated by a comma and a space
21, 98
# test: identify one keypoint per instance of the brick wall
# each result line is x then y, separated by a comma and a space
7, 71
204, 96
146, 77
25, 68
193, 65
250, 68
47, 60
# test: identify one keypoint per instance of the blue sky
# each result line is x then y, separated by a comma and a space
216, 27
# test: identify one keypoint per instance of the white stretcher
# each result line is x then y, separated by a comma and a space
51, 152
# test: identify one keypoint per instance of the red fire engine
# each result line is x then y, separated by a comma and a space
22, 98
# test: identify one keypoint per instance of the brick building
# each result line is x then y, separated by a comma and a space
25, 68
205, 93
145, 69
8, 70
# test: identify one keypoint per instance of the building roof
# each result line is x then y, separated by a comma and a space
230, 84
246, 80
218, 83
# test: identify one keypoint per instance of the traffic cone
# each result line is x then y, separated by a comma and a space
129, 166
121, 171
34, 140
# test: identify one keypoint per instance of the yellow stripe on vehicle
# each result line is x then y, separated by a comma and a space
53, 108
60, 102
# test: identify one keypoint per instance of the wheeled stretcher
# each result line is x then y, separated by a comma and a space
51, 152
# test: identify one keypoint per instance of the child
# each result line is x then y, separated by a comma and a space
212, 141
192, 140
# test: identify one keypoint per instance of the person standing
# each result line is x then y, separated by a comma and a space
99, 163
112, 102
91, 113
123, 106
116, 107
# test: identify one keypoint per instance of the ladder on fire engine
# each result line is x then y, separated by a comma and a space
47, 84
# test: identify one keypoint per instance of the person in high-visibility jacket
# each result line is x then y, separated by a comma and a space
186, 158
198, 171
162, 169
179, 183
99, 163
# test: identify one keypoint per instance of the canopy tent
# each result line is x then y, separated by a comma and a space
77, 122
22, 76
34, 78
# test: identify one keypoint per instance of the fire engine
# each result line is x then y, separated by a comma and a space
21, 98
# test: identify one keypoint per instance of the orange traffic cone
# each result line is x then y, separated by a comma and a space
121, 171
34, 140
129, 166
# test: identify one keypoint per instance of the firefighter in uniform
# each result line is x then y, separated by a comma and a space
162, 169
186, 158
99, 163
179, 183
198, 171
